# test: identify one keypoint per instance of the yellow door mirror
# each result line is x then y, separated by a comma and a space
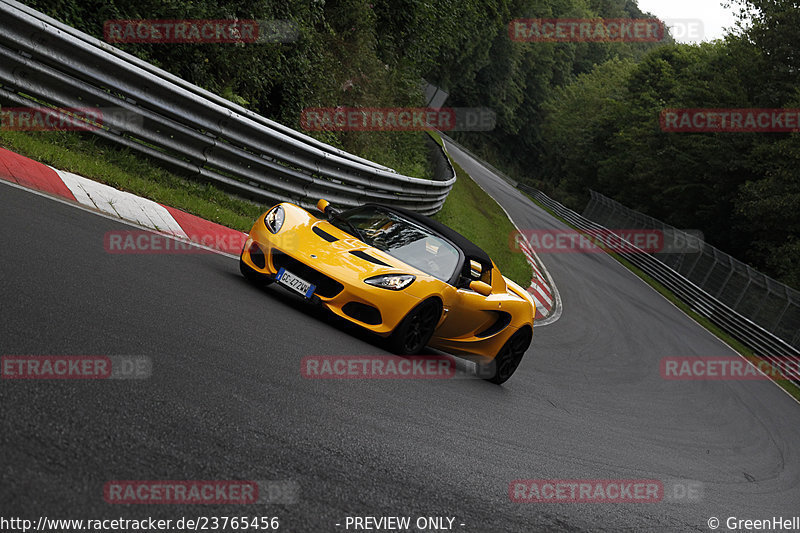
475, 268
480, 287
323, 205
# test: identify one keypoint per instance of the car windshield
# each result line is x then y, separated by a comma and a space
401, 238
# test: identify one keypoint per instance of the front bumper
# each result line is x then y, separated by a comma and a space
340, 289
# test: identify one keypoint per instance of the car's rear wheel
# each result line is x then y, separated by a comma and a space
508, 358
416, 329
253, 276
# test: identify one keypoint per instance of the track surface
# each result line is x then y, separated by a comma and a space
227, 401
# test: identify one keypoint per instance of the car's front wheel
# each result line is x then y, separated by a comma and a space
416, 329
508, 358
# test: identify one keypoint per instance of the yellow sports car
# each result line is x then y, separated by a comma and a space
399, 274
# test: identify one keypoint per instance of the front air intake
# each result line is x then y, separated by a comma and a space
363, 313
257, 256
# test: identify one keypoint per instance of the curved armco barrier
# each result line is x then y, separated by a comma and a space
188, 128
764, 343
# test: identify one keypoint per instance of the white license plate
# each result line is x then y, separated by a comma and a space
295, 283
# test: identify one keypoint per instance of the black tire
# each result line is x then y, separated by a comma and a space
508, 358
252, 276
416, 329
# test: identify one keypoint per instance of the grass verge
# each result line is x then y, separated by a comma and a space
127, 171
725, 337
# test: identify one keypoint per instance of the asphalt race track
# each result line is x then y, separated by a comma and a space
226, 399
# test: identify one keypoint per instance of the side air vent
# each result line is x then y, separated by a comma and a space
363, 312
503, 319
367, 257
257, 256
324, 234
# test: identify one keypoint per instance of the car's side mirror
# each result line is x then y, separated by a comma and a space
475, 269
480, 287
323, 206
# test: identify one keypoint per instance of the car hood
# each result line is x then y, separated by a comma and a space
320, 242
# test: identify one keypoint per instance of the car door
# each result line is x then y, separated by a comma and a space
467, 312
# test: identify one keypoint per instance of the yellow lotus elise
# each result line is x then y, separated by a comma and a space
401, 275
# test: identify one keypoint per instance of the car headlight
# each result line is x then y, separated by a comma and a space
393, 282
274, 219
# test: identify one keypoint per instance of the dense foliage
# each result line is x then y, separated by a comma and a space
570, 116
741, 189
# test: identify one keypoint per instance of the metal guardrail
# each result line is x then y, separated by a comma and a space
769, 303
765, 344
45, 62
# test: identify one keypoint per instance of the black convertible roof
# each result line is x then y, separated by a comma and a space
470, 249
